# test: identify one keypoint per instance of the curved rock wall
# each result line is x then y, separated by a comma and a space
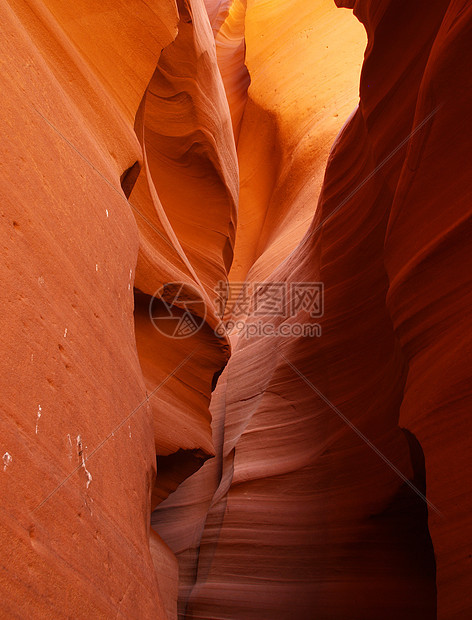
88, 118
194, 142
326, 447
76, 472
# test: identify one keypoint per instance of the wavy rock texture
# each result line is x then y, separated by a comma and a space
94, 113
304, 85
227, 19
149, 143
70, 372
331, 528
186, 198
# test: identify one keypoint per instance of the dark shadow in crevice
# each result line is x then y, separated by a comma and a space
129, 178
404, 524
173, 469
216, 376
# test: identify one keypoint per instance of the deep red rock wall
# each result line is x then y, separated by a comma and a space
332, 530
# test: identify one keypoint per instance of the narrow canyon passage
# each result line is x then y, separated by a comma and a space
236, 280
316, 496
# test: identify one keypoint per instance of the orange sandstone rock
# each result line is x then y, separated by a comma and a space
75, 487
325, 447
305, 477
78, 456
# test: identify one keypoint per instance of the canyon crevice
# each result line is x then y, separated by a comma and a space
171, 445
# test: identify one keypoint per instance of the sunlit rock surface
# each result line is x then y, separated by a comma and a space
84, 92
307, 509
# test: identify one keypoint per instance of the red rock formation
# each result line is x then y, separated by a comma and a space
120, 174
332, 530
186, 200
227, 19
429, 264
74, 525
290, 122
78, 460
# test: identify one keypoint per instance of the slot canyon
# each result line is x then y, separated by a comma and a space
236, 294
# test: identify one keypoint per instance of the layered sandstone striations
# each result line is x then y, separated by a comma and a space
87, 103
147, 143
70, 372
319, 441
